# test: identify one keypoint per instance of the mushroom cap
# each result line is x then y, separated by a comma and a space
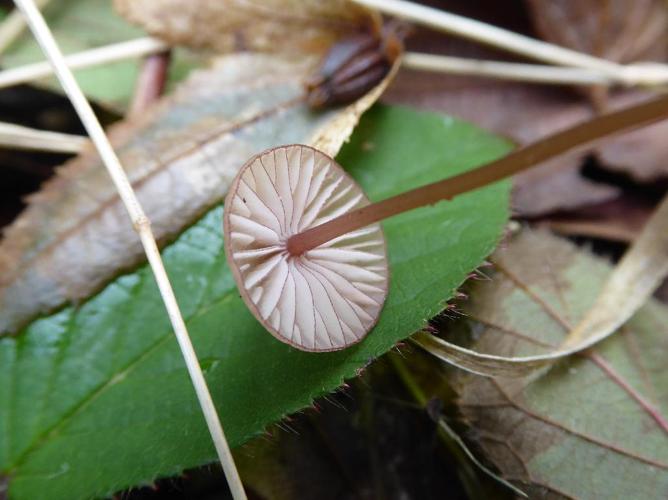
327, 298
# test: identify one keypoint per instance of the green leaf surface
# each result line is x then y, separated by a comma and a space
96, 398
594, 426
84, 24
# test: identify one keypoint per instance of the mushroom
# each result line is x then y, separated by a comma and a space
324, 299
305, 246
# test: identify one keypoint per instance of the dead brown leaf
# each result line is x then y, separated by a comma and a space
181, 157
285, 26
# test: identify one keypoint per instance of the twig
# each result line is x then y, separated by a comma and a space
18, 137
141, 223
14, 25
645, 74
505, 70
102, 55
150, 83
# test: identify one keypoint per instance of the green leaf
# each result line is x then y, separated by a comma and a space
84, 24
594, 425
96, 398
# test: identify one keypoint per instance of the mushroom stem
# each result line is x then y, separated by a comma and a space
527, 157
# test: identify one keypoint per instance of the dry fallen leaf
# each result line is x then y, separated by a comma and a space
286, 26
634, 279
181, 158
593, 426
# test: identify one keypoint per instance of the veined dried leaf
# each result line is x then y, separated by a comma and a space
594, 426
181, 159
632, 282
227, 25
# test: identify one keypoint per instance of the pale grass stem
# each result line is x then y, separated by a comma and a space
147, 46
94, 57
19, 137
141, 223
535, 73
640, 74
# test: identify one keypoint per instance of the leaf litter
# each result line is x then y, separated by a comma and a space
643, 286
593, 425
629, 286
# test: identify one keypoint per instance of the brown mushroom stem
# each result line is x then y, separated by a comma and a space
527, 157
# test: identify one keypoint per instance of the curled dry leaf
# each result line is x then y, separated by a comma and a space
593, 426
181, 158
227, 25
639, 273
527, 113
327, 298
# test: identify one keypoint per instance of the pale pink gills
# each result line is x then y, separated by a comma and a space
327, 298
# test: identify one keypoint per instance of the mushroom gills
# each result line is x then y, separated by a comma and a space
329, 297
